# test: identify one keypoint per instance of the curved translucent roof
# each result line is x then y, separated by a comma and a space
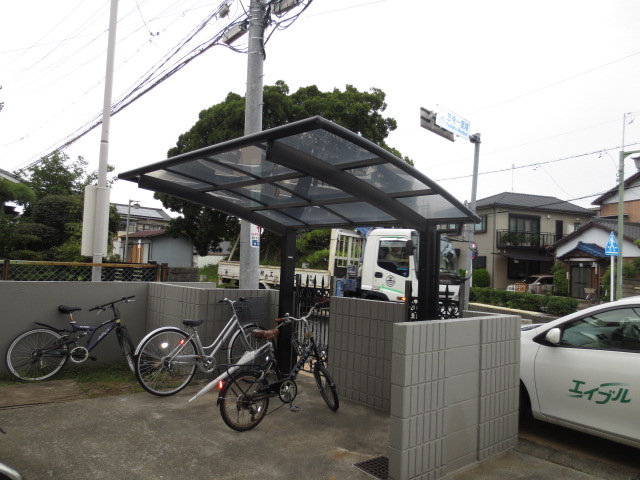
305, 175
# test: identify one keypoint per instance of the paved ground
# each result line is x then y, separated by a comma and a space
140, 436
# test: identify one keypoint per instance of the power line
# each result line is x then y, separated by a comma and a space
556, 83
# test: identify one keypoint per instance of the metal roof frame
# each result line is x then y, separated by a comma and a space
305, 175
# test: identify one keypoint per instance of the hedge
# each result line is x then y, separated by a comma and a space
548, 304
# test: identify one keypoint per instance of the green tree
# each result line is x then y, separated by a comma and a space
360, 112
51, 225
11, 192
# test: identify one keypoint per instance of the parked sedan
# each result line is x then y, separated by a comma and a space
582, 371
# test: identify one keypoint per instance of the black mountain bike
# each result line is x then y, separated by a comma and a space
244, 396
42, 352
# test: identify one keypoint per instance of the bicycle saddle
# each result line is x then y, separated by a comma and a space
192, 323
265, 334
68, 310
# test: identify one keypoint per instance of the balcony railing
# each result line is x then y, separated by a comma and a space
507, 239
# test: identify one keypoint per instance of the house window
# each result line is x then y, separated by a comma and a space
524, 224
480, 262
482, 226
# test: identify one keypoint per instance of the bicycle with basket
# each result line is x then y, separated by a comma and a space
168, 357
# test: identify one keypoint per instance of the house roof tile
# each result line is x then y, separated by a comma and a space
531, 202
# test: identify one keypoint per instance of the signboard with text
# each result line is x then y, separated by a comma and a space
453, 122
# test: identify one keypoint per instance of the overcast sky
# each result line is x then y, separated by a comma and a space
547, 84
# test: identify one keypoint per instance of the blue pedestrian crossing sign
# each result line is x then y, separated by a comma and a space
612, 246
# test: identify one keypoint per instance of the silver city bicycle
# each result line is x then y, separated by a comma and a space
167, 358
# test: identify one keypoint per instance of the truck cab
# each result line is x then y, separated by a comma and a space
390, 259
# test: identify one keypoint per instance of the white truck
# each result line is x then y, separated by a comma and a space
374, 265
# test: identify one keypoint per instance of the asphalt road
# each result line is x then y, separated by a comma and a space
604, 455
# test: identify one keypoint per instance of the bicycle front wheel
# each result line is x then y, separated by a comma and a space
241, 407
236, 345
127, 347
165, 364
36, 355
327, 388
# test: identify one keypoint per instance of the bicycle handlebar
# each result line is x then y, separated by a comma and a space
288, 318
112, 304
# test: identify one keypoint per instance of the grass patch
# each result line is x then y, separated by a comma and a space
95, 380
211, 272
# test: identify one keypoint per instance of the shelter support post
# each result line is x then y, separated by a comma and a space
428, 273
287, 289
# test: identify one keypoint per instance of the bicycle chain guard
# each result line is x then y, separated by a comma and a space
79, 354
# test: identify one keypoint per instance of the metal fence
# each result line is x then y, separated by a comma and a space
307, 294
32, 271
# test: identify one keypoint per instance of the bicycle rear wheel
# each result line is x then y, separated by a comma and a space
327, 388
240, 407
158, 366
127, 347
36, 355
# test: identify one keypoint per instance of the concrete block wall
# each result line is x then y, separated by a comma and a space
454, 394
24, 303
360, 340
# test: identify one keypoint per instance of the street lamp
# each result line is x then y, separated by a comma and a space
623, 155
126, 233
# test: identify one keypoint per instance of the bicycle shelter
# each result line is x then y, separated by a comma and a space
313, 174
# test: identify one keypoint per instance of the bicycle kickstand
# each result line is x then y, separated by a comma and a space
293, 408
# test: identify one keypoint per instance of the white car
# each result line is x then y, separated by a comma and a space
538, 283
582, 371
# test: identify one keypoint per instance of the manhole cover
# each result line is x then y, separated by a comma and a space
377, 467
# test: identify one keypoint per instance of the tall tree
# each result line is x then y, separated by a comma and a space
360, 112
51, 225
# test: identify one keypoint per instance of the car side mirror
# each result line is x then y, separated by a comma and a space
554, 336
410, 247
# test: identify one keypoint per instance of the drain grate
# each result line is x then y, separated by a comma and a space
377, 467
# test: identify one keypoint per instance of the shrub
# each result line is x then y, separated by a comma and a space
560, 282
481, 278
550, 304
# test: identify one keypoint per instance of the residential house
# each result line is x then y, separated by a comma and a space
139, 219
517, 231
146, 239
159, 247
584, 252
608, 202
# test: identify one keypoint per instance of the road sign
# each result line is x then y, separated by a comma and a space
428, 121
612, 246
453, 122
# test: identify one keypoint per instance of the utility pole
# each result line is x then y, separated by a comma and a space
250, 254
475, 139
102, 194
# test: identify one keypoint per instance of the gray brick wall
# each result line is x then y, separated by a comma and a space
360, 338
454, 394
